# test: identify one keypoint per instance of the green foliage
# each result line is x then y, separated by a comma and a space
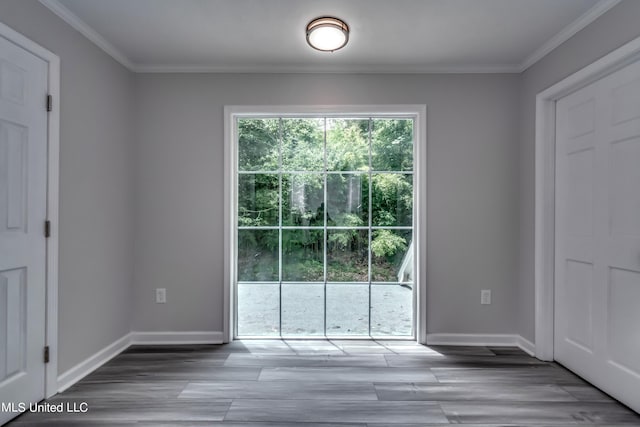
308, 270
302, 252
258, 144
347, 200
392, 199
302, 144
347, 145
303, 199
296, 241
310, 147
392, 145
385, 243
341, 239
257, 250
257, 200
349, 220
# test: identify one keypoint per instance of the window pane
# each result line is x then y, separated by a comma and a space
303, 144
303, 200
392, 145
391, 310
392, 199
258, 309
347, 144
258, 148
302, 255
258, 200
392, 256
347, 309
305, 193
302, 309
348, 255
257, 255
347, 200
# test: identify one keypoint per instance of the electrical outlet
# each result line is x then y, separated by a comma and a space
161, 295
485, 296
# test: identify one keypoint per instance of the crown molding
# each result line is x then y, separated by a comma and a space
79, 25
567, 32
315, 69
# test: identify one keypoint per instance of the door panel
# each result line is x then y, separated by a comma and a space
580, 193
13, 145
12, 325
625, 101
597, 278
23, 167
579, 297
624, 318
624, 173
576, 155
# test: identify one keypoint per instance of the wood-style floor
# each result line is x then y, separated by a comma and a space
331, 384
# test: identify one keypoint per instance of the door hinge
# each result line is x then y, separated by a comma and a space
46, 354
47, 229
49, 103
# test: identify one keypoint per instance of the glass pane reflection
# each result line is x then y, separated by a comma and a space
347, 310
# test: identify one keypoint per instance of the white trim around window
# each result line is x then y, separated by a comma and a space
417, 112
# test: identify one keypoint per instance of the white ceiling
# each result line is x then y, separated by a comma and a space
386, 35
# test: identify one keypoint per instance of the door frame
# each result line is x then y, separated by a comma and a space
544, 266
53, 149
417, 111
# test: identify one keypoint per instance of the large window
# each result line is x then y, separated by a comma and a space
324, 226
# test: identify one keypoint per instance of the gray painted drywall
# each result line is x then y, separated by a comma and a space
96, 195
472, 189
480, 182
613, 29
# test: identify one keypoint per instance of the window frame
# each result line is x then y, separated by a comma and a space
234, 112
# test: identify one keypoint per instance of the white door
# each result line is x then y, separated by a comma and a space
23, 171
597, 259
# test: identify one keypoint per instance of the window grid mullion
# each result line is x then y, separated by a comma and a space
370, 207
280, 248
328, 172
324, 251
332, 227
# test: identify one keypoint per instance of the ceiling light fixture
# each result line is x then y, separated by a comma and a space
327, 34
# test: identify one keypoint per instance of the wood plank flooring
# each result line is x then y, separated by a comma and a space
332, 384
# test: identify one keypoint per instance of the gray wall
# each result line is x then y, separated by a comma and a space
96, 196
160, 138
472, 189
613, 29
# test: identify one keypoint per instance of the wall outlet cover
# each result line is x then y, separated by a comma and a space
161, 295
485, 296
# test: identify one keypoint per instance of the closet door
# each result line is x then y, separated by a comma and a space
23, 174
597, 259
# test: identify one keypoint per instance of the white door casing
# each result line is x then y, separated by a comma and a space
597, 252
24, 82
545, 153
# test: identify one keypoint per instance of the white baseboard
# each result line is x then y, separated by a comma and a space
92, 363
178, 337
526, 345
496, 340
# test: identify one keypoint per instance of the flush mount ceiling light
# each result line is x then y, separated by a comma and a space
327, 34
